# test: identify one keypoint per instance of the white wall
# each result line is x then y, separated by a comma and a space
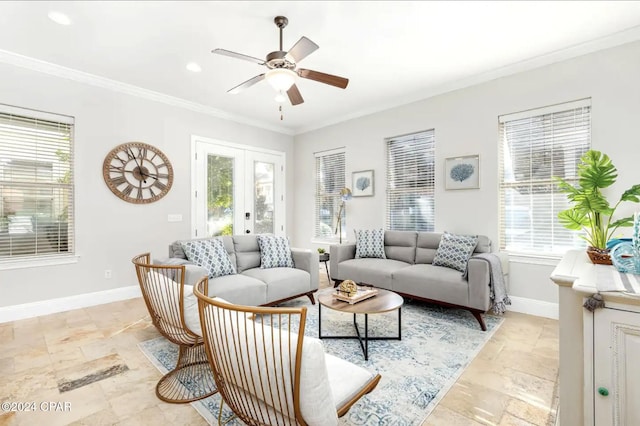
466, 122
109, 231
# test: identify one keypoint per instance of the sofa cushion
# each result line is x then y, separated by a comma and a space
175, 248
400, 245
281, 282
426, 246
370, 243
454, 251
247, 252
211, 255
376, 272
240, 289
274, 252
432, 282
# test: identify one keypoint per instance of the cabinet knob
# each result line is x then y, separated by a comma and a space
603, 391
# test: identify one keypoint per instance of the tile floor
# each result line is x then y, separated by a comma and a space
511, 382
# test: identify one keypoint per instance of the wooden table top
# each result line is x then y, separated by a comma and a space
384, 301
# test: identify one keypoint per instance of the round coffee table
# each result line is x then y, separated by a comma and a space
384, 301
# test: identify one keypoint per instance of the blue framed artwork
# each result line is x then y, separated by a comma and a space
362, 183
462, 172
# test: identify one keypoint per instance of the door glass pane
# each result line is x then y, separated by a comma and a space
220, 200
263, 200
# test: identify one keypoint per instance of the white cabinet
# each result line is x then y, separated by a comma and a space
615, 389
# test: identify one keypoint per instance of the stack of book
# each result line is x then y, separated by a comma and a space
362, 294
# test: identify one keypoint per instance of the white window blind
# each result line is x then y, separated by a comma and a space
535, 146
330, 172
411, 182
36, 184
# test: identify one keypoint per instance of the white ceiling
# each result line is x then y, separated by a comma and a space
392, 52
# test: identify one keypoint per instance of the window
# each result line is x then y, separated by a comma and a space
535, 146
329, 181
411, 181
36, 184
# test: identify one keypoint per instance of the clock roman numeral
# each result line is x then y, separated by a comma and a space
153, 194
142, 153
161, 186
139, 195
127, 190
117, 181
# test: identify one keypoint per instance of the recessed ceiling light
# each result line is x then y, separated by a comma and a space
59, 18
193, 67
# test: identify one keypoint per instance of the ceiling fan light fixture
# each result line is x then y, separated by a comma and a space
280, 97
281, 79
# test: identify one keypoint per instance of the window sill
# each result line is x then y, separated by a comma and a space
38, 262
532, 259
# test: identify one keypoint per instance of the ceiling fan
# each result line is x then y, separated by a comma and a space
283, 68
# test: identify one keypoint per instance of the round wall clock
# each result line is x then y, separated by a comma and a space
137, 172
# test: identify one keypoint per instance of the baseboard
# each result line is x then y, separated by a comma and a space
46, 307
535, 307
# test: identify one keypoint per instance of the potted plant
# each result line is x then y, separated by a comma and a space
591, 211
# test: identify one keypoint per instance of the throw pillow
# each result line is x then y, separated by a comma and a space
454, 251
370, 243
211, 255
274, 252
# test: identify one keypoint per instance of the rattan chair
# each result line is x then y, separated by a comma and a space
268, 372
166, 297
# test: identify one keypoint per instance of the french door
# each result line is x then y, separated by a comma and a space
237, 190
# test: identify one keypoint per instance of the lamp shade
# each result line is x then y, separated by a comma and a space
345, 194
281, 79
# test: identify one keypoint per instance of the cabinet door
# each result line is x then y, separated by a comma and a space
616, 391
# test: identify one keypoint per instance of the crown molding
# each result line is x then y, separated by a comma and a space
38, 65
622, 37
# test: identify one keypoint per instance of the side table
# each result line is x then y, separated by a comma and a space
324, 258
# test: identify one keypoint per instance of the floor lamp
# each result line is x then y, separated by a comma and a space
345, 195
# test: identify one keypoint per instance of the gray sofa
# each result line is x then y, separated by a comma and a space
252, 285
408, 271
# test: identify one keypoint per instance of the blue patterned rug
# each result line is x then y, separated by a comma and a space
437, 345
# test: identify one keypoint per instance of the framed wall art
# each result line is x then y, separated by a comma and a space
362, 183
462, 172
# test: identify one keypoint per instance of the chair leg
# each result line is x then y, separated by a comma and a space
310, 296
478, 316
190, 380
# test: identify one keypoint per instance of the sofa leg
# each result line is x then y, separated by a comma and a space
478, 316
310, 296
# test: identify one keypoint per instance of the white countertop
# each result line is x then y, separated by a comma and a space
576, 270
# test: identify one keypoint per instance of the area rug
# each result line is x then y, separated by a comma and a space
437, 345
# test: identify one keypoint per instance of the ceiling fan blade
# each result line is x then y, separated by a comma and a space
303, 48
238, 56
240, 87
294, 95
333, 80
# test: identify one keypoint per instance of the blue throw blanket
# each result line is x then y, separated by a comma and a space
497, 286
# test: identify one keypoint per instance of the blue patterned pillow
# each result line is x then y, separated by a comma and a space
370, 243
274, 252
454, 251
211, 255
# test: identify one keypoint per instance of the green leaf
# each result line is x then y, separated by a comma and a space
632, 194
596, 171
592, 202
624, 222
572, 219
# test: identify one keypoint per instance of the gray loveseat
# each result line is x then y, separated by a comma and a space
253, 285
408, 271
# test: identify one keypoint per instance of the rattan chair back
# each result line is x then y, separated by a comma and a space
255, 355
163, 290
